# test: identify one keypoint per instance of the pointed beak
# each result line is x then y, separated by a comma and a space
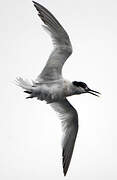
95, 93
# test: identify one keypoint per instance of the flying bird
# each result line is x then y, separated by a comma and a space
51, 87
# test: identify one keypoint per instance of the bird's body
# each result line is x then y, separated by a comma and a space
50, 91
53, 88
54, 91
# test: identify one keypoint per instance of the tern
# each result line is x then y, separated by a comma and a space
51, 87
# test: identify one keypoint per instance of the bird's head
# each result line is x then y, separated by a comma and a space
81, 87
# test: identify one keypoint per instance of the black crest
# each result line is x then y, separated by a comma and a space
79, 84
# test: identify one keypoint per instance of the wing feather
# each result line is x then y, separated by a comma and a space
62, 45
69, 118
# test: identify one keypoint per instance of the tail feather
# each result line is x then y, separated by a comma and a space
25, 84
29, 97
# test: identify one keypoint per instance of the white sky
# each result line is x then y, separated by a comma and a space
30, 132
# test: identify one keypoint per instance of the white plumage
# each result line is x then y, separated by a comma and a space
53, 88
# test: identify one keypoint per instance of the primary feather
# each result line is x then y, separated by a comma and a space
62, 45
69, 118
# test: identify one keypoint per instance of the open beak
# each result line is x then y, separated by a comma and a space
95, 93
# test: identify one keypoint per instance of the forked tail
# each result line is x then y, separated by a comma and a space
26, 85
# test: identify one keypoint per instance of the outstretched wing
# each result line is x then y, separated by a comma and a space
62, 45
69, 118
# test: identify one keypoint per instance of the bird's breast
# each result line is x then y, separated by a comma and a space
52, 92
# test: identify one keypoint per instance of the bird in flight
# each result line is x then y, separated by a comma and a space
53, 88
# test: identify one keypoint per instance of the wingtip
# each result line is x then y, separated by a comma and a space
33, 1
64, 169
36, 5
64, 173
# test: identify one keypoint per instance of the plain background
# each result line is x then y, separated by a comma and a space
30, 131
